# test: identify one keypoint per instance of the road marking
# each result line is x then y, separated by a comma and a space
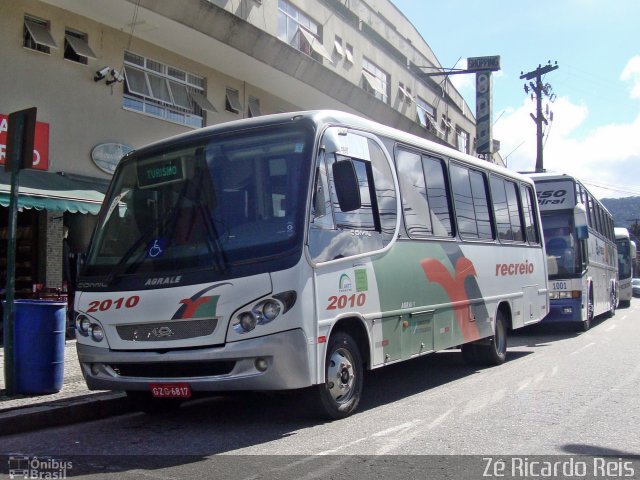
588, 345
554, 370
523, 384
398, 428
407, 437
538, 378
350, 444
609, 328
440, 419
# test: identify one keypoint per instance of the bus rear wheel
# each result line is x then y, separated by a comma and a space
492, 353
340, 393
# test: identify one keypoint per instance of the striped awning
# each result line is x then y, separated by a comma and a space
54, 191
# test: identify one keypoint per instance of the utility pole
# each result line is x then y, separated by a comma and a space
538, 90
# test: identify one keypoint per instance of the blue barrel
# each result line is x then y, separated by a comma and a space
38, 350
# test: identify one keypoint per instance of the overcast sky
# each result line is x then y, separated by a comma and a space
595, 133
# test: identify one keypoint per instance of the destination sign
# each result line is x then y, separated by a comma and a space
151, 174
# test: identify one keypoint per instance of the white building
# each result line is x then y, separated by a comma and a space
110, 75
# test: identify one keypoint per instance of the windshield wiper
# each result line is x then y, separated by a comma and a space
213, 239
122, 264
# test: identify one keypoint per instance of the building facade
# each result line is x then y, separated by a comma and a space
110, 75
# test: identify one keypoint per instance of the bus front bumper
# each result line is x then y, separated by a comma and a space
564, 310
274, 362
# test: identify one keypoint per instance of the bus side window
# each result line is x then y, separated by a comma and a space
506, 209
531, 227
438, 195
470, 199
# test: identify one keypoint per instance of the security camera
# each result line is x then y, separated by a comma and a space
100, 74
115, 77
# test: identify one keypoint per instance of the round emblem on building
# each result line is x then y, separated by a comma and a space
107, 155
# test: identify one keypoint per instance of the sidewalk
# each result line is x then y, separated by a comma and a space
73, 403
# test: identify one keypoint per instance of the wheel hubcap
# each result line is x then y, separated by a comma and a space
340, 376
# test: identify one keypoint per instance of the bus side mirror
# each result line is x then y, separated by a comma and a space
347, 186
580, 222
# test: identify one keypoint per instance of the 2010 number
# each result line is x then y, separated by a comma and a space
118, 303
340, 302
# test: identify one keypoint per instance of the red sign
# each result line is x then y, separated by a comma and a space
40, 145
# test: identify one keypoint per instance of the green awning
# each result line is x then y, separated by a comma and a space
55, 191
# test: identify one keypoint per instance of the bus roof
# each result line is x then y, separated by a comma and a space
550, 176
334, 117
621, 233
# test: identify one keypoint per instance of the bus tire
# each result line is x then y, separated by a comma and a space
340, 394
144, 402
496, 352
586, 323
612, 303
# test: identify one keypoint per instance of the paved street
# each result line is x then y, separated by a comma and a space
559, 393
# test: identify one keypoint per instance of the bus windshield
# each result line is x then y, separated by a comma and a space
624, 258
210, 204
563, 249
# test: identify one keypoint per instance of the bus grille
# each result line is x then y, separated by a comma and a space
173, 369
167, 331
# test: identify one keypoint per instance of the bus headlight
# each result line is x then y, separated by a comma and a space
269, 310
247, 321
83, 324
264, 311
575, 294
97, 333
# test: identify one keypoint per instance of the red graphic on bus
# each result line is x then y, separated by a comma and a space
454, 287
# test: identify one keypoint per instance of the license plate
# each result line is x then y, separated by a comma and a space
170, 390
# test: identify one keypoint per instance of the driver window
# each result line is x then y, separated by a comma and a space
321, 215
334, 233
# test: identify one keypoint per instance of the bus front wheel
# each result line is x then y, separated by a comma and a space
586, 324
340, 393
613, 302
496, 352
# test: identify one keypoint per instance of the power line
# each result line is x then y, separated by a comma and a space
611, 188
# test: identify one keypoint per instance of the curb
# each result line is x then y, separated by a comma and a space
64, 412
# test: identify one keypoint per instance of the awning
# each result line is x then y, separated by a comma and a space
80, 46
55, 191
315, 44
374, 82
